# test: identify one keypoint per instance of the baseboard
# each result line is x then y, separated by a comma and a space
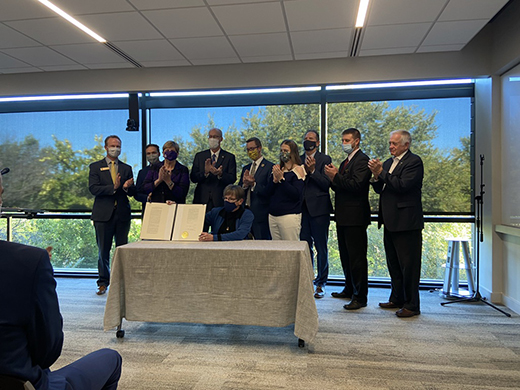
512, 304
501, 299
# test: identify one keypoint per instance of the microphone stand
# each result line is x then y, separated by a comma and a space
476, 297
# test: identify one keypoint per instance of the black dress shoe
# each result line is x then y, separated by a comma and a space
405, 313
389, 305
342, 294
354, 305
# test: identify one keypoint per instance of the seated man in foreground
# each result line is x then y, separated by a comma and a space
231, 222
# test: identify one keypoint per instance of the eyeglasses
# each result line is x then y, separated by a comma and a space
251, 149
228, 199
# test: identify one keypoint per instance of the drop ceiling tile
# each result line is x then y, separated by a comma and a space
20, 70
250, 18
434, 48
204, 48
79, 7
51, 31
319, 56
160, 64
184, 22
390, 51
16, 10
63, 68
124, 26
400, 35
154, 50
89, 53
261, 45
471, 9
12, 38
318, 15
165, 4
267, 58
114, 65
228, 2
383, 12
321, 41
460, 31
216, 61
10, 62
38, 56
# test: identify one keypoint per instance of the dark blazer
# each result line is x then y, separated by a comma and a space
212, 187
181, 184
351, 188
101, 186
141, 195
316, 191
31, 334
259, 197
400, 206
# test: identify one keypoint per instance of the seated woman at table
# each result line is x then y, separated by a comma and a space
229, 223
285, 189
168, 181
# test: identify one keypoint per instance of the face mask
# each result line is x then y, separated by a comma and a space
253, 154
347, 148
170, 155
114, 152
285, 156
214, 143
229, 207
309, 145
152, 158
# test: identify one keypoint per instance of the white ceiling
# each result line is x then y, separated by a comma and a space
157, 33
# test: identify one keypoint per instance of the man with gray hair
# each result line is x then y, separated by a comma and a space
398, 181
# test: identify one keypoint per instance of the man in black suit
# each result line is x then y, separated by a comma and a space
316, 208
213, 169
31, 335
152, 156
399, 182
253, 180
351, 183
111, 182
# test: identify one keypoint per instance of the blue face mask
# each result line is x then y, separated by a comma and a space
170, 155
229, 207
347, 148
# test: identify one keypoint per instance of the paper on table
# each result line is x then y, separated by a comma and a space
189, 222
158, 221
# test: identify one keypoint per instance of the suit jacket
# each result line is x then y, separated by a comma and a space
316, 193
351, 188
259, 197
31, 335
100, 185
400, 206
140, 194
212, 187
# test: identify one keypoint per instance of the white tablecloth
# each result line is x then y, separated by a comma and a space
266, 283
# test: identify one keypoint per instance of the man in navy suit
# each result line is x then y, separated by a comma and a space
316, 208
351, 183
111, 182
152, 156
253, 180
399, 182
31, 335
213, 169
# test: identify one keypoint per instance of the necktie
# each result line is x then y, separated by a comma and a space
213, 158
251, 173
113, 171
253, 169
343, 167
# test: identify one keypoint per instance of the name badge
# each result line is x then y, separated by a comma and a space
104, 168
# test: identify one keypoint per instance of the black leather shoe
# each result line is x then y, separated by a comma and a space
354, 305
405, 313
101, 290
389, 305
342, 294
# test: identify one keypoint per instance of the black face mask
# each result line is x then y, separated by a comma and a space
309, 145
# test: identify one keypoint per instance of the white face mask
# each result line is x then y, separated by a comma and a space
114, 152
214, 143
152, 158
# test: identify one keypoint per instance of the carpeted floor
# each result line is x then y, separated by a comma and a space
459, 346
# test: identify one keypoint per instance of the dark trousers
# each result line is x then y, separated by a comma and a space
99, 370
105, 234
315, 230
260, 227
352, 244
403, 258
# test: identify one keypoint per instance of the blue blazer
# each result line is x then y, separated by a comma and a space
100, 185
316, 191
212, 187
214, 219
31, 335
400, 205
259, 197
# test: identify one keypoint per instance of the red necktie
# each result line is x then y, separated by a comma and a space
343, 166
